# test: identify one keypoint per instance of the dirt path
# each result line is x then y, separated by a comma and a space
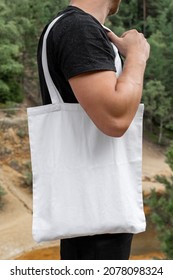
16, 216
153, 164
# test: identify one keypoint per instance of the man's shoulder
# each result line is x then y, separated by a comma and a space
75, 19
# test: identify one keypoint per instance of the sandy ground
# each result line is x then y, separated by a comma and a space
16, 216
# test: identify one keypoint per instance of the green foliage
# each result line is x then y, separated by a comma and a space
158, 107
2, 193
152, 93
169, 156
162, 209
27, 180
27, 175
10, 67
20, 25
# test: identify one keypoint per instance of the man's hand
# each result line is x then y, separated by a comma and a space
131, 43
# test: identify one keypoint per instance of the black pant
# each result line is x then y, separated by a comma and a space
97, 247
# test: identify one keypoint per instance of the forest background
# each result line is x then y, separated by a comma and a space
21, 23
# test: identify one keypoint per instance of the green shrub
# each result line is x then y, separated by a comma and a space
161, 205
27, 175
2, 193
28, 179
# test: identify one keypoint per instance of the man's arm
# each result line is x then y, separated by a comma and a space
112, 102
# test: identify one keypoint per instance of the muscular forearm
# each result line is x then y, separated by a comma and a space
133, 71
130, 85
134, 47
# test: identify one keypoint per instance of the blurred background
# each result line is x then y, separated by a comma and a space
21, 23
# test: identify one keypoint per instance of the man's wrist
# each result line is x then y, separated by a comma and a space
136, 59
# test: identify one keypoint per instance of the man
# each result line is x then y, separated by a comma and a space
81, 64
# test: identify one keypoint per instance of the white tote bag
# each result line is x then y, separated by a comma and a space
84, 182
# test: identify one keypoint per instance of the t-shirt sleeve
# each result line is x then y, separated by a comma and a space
83, 47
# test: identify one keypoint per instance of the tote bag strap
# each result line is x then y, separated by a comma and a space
53, 91
118, 58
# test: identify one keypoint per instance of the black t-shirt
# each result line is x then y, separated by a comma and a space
76, 44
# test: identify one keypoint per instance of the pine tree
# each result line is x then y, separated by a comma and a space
21, 23
10, 67
159, 108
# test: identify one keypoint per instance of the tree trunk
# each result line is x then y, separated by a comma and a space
160, 132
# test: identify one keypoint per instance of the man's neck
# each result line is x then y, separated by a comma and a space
97, 8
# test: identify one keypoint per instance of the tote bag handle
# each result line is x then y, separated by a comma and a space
53, 91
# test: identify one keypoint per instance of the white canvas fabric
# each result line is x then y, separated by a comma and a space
84, 182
